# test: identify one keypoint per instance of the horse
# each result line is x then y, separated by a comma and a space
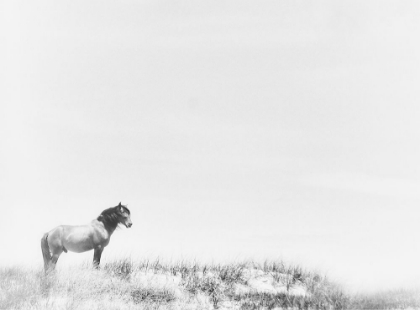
93, 236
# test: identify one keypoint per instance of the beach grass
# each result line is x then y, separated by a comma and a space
154, 284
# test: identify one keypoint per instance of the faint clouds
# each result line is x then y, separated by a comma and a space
395, 187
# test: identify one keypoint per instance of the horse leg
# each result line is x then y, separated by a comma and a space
45, 252
52, 263
52, 247
97, 256
55, 255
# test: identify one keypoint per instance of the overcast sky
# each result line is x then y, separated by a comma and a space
232, 129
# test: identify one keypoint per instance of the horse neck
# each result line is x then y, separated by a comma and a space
109, 224
110, 228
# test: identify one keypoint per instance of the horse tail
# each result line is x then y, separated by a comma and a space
45, 251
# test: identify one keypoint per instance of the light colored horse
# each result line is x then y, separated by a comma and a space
94, 235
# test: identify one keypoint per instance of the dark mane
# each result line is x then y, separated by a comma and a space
111, 216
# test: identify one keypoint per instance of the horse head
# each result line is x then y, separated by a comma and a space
124, 215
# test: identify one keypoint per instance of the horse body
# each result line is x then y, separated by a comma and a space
79, 238
93, 236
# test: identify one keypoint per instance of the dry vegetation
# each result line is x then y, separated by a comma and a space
393, 299
155, 285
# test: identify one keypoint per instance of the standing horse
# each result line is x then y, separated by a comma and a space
94, 235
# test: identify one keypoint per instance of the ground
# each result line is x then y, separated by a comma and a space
153, 285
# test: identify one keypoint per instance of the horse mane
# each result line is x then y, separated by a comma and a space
111, 216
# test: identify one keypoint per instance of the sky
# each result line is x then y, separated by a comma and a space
233, 130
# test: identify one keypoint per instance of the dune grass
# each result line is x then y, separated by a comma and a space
390, 299
152, 284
